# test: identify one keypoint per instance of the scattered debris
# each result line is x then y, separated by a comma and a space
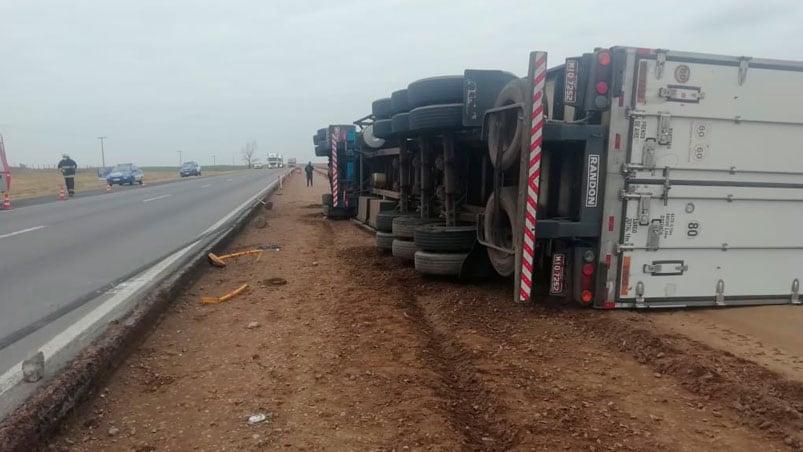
268, 205
215, 260
33, 369
228, 296
274, 282
113, 431
257, 418
315, 264
270, 247
252, 325
220, 261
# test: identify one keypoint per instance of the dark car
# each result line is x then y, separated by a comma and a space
125, 173
190, 169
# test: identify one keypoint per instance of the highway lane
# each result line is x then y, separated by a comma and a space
54, 257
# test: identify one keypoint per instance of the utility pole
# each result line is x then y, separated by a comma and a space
179, 158
102, 152
213, 160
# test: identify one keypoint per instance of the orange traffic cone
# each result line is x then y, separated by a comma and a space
108, 188
62, 196
6, 201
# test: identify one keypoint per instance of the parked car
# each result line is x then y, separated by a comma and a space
125, 173
190, 169
257, 166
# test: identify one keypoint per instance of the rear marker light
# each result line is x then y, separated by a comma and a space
604, 58
586, 296
602, 87
588, 269
601, 102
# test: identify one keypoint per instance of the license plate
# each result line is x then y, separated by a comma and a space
556, 280
571, 82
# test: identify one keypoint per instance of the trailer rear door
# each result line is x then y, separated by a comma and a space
713, 199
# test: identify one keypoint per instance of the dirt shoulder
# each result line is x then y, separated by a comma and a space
359, 352
768, 335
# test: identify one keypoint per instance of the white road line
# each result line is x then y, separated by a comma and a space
157, 198
13, 376
228, 180
23, 231
206, 186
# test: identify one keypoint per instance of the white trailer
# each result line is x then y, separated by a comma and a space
706, 188
696, 190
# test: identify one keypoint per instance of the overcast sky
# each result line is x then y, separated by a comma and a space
204, 77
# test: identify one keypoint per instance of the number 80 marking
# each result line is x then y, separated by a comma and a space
692, 229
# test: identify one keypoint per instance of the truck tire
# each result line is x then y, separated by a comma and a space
436, 117
384, 240
436, 90
322, 149
383, 128
440, 238
384, 220
399, 102
326, 210
322, 134
498, 229
404, 226
326, 199
404, 249
505, 129
443, 264
371, 140
400, 123
315, 139
381, 108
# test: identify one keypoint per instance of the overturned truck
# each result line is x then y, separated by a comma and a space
625, 177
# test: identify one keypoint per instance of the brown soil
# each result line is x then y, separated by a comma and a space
359, 352
768, 335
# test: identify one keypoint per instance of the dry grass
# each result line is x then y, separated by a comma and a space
30, 183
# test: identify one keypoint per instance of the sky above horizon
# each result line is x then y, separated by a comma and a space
204, 77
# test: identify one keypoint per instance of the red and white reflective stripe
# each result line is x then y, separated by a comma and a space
533, 176
333, 138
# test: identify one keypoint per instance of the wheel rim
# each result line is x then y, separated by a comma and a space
504, 134
499, 230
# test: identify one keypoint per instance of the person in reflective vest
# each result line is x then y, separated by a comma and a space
68, 167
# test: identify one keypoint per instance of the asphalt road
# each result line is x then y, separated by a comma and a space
55, 258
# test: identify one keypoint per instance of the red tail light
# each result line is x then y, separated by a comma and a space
602, 87
604, 58
587, 283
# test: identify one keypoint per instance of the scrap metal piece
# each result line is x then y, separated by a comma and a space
227, 297
219, 261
